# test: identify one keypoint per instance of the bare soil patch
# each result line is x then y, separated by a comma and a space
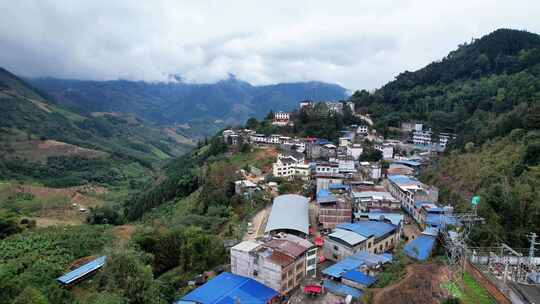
40, 150
421, 285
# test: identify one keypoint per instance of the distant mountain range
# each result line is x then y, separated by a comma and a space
205, 107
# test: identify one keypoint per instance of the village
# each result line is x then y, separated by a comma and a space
341, 216
331, 243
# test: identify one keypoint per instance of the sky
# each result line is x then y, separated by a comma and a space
357, 44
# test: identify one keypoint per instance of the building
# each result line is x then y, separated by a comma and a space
305, 104
333, 210
289, 166
350, 238
370, 171
409, 191
355, 150
244, 186
326, 168
380, 200
422, 137
362, 130
411, 126
325, 180
281, 262
82, 272
281, 119
228, 288
334, 107
421, 247
290, 213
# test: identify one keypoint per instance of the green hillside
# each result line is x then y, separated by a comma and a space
488, 93
42, 141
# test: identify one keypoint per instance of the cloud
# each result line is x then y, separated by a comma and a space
359, 44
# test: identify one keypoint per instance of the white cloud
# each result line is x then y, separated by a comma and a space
359, 44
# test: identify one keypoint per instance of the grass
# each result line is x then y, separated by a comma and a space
473, 292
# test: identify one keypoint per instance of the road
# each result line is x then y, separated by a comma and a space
258, 222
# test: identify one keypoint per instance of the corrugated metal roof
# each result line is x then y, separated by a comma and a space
380, 195
228, 288
288, 247
289, 211
359, 277
341, 289
351, 238
421, 247
81, 271
394, 218
355, 261
369, 228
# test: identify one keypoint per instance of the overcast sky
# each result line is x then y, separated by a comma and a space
358, 44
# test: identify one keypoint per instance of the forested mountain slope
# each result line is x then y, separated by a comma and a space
488, 93
41, 140
204, 108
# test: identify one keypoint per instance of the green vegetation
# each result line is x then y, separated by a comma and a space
487, 93
395, 271
472, 292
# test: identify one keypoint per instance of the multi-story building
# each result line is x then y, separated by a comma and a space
411, 193
350, 238
370, 171
289, 166
328, 168
281, 119
306, 104
281, 262
368, 200
333, 209
362, 130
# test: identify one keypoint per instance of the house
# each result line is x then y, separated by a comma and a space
364, 261
333, 210
346, 166
409, 191
334, 107
362, 130
357, 279
421, 137
281, 119
350, 238
370, 171
289, 166
387, 150
305, 104
324, 180
381, 200
244, 186
355, 150
82, 272
326, 168
411, 126
421, 247
281, 262
228, 288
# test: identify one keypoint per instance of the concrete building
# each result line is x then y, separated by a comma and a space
355, 150
281, 262
411, 193
362, 130
281, 119
244, 186
370, 171
368, 200
333, 209
371, 236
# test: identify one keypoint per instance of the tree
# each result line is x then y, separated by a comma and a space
126, 272
30, 295
252, 123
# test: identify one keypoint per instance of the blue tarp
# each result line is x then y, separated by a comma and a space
341, 289
81, 271
228, 288
421, 247
359, 277
369, 228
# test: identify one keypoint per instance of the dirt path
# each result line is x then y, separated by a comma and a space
258, 222
421, 285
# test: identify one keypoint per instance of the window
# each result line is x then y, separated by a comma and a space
336, 248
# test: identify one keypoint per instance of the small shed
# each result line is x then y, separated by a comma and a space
82, 272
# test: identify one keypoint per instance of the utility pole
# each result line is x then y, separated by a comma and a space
532, 240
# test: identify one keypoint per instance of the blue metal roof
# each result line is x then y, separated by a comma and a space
81, 271
341, 289
359, 277
338, 186
437, 220
421, 247
228, 288
369, 228
403, 180
394, 218
355, 261
322, 141
408, 163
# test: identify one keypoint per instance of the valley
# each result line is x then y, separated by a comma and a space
180, 185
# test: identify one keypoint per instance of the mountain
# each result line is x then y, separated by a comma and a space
488, 93
201, 108
42, 140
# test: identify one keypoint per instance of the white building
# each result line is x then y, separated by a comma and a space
289, 167
362, 129
355, 151
281, 119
